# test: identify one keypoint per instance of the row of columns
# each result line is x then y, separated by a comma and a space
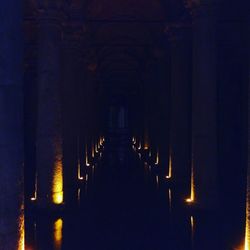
200, 116
210, 138
65, 138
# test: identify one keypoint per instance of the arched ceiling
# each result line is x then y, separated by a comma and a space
121, 37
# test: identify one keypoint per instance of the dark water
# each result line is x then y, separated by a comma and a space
125, 205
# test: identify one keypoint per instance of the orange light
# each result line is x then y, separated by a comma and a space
96, 148
146, 142
58, 225
86, 156
157, 158
34, 198
57, 184
169, 176
191, 199
79, 171
21, 232
247, 226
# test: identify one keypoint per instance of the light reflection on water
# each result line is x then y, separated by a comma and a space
247, 228
78, 195
182, 228
192, 224
21, 232
157, 181
170, 199
58, 226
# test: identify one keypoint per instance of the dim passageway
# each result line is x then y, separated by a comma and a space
124, 125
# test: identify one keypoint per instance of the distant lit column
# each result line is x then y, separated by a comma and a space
89, 110
180, 114
11, 126
49, 131
204, 108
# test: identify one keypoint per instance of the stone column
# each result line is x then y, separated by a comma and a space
204, 107
232, 65
247, 227
30, 105
49, 132
89, 112
83, 119
70, 95
11, 126
180, 114
247, 216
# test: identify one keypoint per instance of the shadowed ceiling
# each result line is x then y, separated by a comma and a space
121, 39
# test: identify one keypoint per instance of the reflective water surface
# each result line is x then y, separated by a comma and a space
127, 205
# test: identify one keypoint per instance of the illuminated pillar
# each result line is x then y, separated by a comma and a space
70, 93
232, 64
49, 131
204, 107
180, 114
11, 127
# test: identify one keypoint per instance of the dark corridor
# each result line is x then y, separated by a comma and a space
124, 125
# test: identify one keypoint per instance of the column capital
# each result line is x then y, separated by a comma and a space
176, 32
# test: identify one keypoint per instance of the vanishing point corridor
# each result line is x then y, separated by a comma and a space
124, 125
